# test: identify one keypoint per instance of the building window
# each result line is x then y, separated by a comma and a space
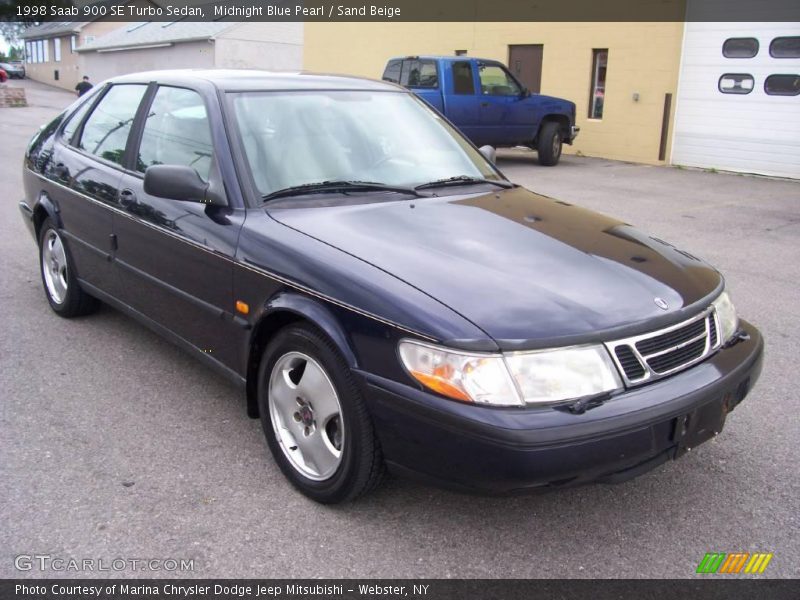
740, 48
782, 85
736, 83
73, 41
598, 89
39, 51
463, 81
461, 52
785, 47
57, 49
28, 52
46, 52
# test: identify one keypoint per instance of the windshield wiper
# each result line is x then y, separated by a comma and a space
340, 186
464, 180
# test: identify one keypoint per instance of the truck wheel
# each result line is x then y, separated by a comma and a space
549, 146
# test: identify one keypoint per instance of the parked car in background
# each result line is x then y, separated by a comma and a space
380, 291
14, 70
3, 75
486, 102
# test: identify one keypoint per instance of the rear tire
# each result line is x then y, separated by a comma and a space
549, 144
61, 287
314, 418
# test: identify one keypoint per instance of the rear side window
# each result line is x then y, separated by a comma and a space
105, 132
392, 72
740, 48
74, 121
177, 132
463, 81
785, 47
419, 74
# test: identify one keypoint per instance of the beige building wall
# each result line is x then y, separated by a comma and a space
71, 66
643, 58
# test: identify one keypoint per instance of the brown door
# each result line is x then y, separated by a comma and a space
525, 62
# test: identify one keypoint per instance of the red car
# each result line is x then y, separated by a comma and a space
3, 76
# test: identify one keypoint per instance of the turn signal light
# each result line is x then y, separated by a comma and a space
242, 307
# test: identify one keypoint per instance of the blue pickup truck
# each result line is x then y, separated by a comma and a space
487, 103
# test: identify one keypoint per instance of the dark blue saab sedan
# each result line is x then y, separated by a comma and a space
382, 293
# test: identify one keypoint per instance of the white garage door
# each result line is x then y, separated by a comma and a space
738, 105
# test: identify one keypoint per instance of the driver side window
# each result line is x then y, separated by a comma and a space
177, 132
496, 81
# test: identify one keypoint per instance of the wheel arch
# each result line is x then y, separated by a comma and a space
562, 120
44, 208
287, 308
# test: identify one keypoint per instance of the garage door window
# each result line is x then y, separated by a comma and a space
740, 48
736, 83
785, 47
782, 85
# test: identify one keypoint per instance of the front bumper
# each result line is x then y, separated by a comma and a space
573, 133
504, 450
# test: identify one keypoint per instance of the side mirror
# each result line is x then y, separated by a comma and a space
179, 182
489, 153
525, 93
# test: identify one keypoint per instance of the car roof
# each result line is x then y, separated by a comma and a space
242, 79
447, 57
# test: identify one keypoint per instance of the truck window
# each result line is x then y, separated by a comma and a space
496, 81
419, 74
463, 82
392, 72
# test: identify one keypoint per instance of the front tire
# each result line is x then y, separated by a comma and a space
315, 419
549, 144
61, 287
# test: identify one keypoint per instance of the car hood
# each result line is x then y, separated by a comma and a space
528, 270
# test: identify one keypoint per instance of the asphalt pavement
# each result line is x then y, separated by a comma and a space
115, 444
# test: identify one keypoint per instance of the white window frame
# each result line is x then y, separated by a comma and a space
28, 52
46, 46
57, 49
73, 42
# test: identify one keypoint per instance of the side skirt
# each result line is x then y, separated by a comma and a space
167, 334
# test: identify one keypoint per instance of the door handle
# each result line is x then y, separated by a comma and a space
61, 171
127, 198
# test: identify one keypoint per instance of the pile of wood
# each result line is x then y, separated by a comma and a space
12, 96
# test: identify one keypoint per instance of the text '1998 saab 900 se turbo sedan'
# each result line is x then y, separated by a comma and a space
379, 289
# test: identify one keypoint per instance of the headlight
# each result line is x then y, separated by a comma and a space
553, 375
480, 378
726, 316
513, 379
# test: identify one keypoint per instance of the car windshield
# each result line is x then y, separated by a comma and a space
392, 138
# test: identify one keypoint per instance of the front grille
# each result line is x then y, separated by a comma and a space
660, 353
629, 363
673, 338
670, 360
